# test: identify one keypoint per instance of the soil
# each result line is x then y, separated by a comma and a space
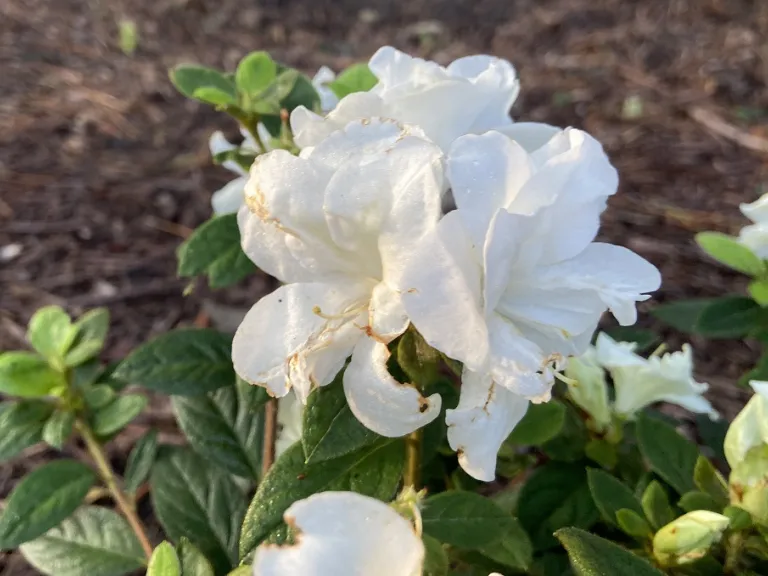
104, 168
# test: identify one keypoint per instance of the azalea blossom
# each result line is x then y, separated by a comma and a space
750, 427
511, 282
337, 225
640, 382
755, 236
470, 95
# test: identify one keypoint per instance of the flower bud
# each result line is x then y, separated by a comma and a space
689, 537
749, 484
750, 427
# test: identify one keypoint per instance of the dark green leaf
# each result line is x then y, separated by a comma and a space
378, 475
418, 360
117, 414
231, 267
633, 524
602, 452
463, 519
710, 481
99, 396
541, 423
570, 443
696, 500
58, 428
513, 548
669, 454
140, 461
610, 495
164, 561
255, 72
435, 558
551, 563
195, 500
51, 332
225, 427
730, 317
356, 78
182, 362
92, 328
683, 315
593, 556
27, 375
712, 433
86, 374
656, 505
21, 426
93, 541
188, 78
303, 94
42, 499
193, 563
643, 338
731, 252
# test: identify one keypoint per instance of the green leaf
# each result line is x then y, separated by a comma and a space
225, 427
730, 317
683, 315
93, 541
378, 475
633, 524
417, 359
541, 423
610, 495
42, 499
27, 375
356, 78
740, 518
656, 506
197, 501
230, 268
556, 495
669, 454
181, 362
758, 289
188, 78
329, 429
712, 433
92, 328
644, 339
164, 561
193, 563
436, 561
593, 556
513, 548
99, 396
570, 443
21, 426
140, 461
214, 96
58, 428
291, 479
731, 252
463, 519
695, 500
302, 94
51, 332
117, 414
710, 481
255, 72
602, 452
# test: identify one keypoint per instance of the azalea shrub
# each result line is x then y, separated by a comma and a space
426, 393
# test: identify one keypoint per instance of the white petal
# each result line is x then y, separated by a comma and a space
755, 237
217, 144
530, 135
343, 534
485, 416
760, 388
612, 354
386, 314
320, 81
309, 129
271, 347
230, 198
379, 401
757, 211
441, 293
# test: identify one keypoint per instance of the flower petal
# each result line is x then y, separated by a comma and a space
530, 135
386, 315
485, 416
379, 401
217, 144
343, 534
320, 81
757, 211
750, 427
229, 198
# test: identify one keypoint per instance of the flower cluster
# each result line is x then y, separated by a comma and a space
510, 283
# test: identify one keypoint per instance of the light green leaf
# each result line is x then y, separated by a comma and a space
189, 78
27, 375
93, 541
192, 499
182, 362
302, 94
593, 556
255, 72
610, 495
193, 563
729, 251
758, 289
669, 454
710, 481
513, 548
117, 414
21, 426
656, 505
356, 78
730, 317
92, 328
633, 524
695, 500
436, 561
213, 95
58, 428
225, 426
683, 315
541, 423
140, 461
42, 499
463, 519
51, 333
164, 561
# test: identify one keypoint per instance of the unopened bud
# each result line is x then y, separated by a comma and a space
689, 537
749, 484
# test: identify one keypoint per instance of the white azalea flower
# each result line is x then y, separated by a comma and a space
755, 236
750, 427
337, 224
590, 390
328, 100
640, 382
290, 413
471, 95
511, 282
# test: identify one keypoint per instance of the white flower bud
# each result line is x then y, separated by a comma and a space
689, 537
750, 427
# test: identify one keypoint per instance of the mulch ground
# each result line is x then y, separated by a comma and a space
104, 168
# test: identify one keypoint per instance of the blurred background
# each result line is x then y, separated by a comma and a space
105, 169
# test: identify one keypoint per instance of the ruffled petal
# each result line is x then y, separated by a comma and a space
217, 144
309, 129
530, 135
756, 211
229, 198
386, 314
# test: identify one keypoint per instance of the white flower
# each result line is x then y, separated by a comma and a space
590, 391
290, 413
471, 95
755, 236
640, 382
337, 224
343, 534
511, 281
328, 100
750, 427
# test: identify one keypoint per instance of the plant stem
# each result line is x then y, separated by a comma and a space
108, 476
413, 459
270, 436
732, 553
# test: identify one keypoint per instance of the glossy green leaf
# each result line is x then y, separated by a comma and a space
58, 428
21, 426
731, 252
463, 519
188, 78
255, 72
610, 495
669, 454
51, 332
91, 332
117, 414
27, 375
513, 548
594, 556
140, 461
164, 561
193, 562
541, 423
730, 317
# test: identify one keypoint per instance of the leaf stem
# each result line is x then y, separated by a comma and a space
270, 436
412, 474
108, 476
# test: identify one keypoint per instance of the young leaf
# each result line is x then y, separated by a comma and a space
189, 78
182, 362
610, 495
193, 563
436, 561
656, 505
513, 548
214, 96
164, 561
140, 461
695, 500
669, 454
255, 72
730, 317
21, 426
51, 332
710, 481
683, 315
730, 252
99, 396
195, 500
58, 428
225, 426
758, 289
92, 328
356, 78
42, 499
633, 524
329, 428
117, 414
593, 556
541, 423
93, 541
27, 375
302, 94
